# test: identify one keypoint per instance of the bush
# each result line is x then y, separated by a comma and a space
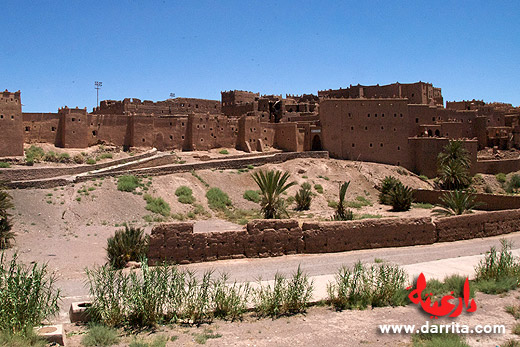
514, 184
184, 195
318, 188
126, 245
342, 213
99, 335
285, 296
218, 200
79, 159
498, 265
456, 202
272, 185
34, 154
386, 187
438, 339
303, 197
6, 235
91, 161
128, 183
230, 301
28, 295
359, 287
360, 201
224, 151
501, 177
157, 205
4, 165
252, 195
401, 197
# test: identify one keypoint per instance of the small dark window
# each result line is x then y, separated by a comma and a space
369, 115
94, 133
416, 120
53, 128
398, 148
370, 145
27, 128
171, 137
73, 119
143, 140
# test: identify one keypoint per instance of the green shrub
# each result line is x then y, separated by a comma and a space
224, 151
401, 197
456, 202
252, 195
99, 335
29, 338
4, 165
104, 156
128, 183
6, 234
285, 296
438, 339
91, 161
303, 197
498, 265
157, 205
217, 199
126, 245
361, 286
185, 195
514, 184
28, 295
64, 158
360, 201
250, 167
34, 154
386, 187
230, 301
501, 177
318, 188
79, 159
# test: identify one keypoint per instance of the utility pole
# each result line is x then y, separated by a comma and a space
97, 86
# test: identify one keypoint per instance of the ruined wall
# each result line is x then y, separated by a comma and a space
497, 166
368, 130
11, 124
252, 135
167, 107
176, 242
236, 103
40, 127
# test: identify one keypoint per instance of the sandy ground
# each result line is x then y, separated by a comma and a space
322, 326
67, 228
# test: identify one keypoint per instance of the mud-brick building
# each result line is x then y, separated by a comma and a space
11, 133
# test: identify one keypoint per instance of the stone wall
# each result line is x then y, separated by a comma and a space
497, 166
176, 242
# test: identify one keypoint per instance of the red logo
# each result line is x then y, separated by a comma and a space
443, 307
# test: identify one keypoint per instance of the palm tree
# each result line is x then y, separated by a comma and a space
453, 166
342, 213
272, 184
456, 202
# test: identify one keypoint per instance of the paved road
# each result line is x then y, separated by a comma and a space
437, 260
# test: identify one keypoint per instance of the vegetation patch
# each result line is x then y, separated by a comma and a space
252, 195
224, 151
185, 195
303, 197
4, 165
272, 185
99, 335
128, 183
157, 205
360, 202
218, 200
126, 245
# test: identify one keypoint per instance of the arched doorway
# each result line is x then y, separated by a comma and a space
437, 133
316, 143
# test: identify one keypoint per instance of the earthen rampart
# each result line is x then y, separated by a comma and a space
176, 242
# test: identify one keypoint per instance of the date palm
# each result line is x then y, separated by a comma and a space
272, 184
455, 203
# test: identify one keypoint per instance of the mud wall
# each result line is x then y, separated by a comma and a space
497, 166
11, 124
490, 202
266, 238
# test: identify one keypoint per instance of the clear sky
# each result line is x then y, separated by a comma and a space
53, 51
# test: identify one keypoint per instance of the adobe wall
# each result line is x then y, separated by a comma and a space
111, 129
176, 242
490, 202
11, 124
287, 137
207, 131
424, 151
252, 135
73, 128
167, 107
498, 166
367, 130
40, 127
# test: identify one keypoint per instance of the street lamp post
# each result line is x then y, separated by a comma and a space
97, 86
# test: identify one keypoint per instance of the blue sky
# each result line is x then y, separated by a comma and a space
53, 51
